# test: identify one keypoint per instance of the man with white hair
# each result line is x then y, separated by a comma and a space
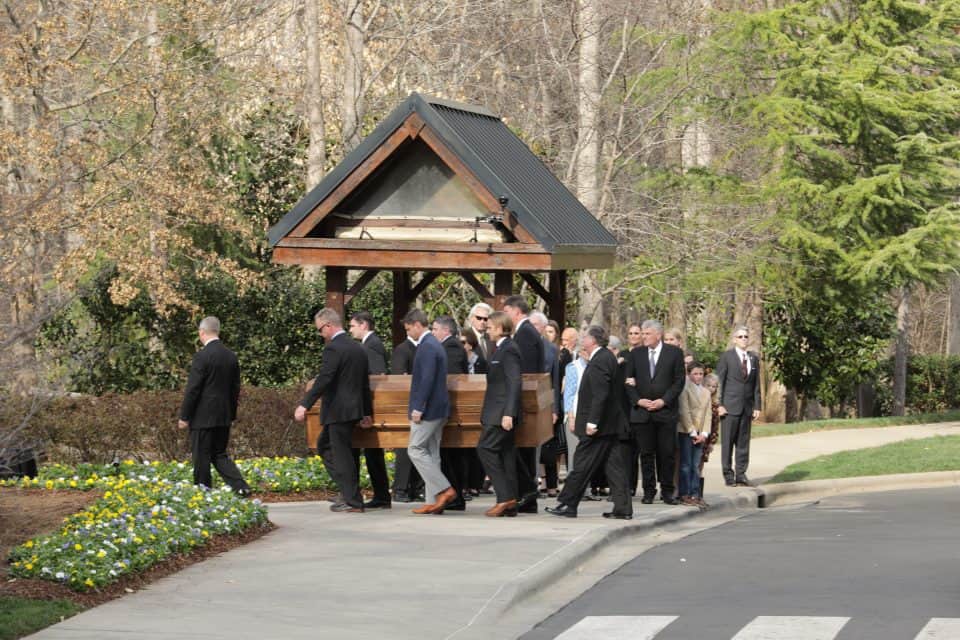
477, 324
210, 407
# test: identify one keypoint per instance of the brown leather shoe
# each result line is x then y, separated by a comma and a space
445, 497
501, 509
427, 508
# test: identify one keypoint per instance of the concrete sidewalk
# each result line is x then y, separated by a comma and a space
391, 574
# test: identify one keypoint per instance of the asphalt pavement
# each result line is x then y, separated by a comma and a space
879, 566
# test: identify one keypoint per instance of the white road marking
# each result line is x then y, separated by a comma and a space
941, 629
617, 628
791, 628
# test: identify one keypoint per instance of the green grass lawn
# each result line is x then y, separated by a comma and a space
20, 616
940, 453
780, 429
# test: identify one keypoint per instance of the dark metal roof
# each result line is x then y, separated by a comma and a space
499, 159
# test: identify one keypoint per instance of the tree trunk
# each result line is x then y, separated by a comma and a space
316, 151
352, 105
587, 150
953, 317
792, 411
901, 353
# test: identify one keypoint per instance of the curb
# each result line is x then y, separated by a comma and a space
570, 557
808, 490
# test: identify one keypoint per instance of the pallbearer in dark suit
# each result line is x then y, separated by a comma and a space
500, 416
407, 484
361, 328
657, 373
454, 461
210, 407
738, 371
602, 429
344, 385
530, 344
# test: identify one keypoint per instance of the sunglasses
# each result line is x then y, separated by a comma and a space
743, 337
481, 318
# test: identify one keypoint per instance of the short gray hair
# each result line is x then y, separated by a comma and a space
598, 333
738, 328
539, 318
615, 342
330, 316
652, 324
211, 325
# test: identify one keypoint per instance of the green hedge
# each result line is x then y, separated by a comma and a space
933, 384
143, 425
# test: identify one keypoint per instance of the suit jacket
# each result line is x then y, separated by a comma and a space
667, 384
456, 355
551, 365
343, 383
484, 346
600, 397
213, 388
376, 354
504, 385
738, 395
428, 389
401, 362
530, 343
563, 359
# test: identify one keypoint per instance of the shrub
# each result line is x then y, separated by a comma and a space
143, 425
933, 384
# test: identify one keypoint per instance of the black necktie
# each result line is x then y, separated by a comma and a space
743, 366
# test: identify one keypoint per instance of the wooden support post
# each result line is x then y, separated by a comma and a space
557, 302
336, 278
502, 288
534, 284
401, 304
358, 286
476, 285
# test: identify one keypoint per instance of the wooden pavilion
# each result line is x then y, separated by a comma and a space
440, 187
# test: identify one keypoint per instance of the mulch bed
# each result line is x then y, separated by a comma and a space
25, 513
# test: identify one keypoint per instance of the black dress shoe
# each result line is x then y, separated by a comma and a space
377, 504
528, 504
343, 507
589, 498
401, 496
670, 501
617, 516
467, 496
562, 511
743, 482
244, 493
647, 499
457, 504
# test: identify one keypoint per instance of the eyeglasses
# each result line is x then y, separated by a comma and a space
323, 326
481, 318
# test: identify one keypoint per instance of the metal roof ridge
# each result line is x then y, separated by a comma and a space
459, 106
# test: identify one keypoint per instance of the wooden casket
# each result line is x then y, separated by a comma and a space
391, 428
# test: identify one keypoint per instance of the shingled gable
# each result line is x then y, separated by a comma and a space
479, 161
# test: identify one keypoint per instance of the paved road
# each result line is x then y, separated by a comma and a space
881, 566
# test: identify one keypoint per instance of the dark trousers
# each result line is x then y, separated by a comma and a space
210, 446
406, 478
456, 467
334, 447
377, 468
633, 457
475, 471
735, 432
526, 471
498, 454
594, 453
657, 442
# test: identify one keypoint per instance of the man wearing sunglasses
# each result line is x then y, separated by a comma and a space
739, 373
477, 324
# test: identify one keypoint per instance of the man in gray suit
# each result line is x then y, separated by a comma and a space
739, 374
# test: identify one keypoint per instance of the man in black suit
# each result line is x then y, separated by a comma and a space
476, 323
530, 344
739, 392
602, 429
210, 407
454, 461
500, 415
344, 384
549, 450
361, 328
655, 375
407, 484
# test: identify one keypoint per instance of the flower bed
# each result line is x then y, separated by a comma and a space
277, 475
135, 524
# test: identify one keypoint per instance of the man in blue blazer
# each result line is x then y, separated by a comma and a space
429, 408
